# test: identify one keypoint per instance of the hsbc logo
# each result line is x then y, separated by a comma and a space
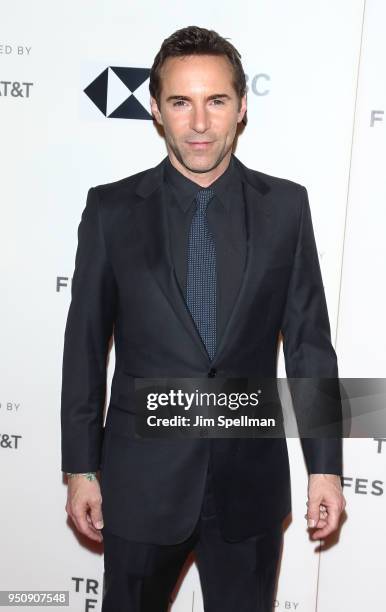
119, 92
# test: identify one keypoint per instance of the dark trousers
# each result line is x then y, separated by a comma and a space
235, 576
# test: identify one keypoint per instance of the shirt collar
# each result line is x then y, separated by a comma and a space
186, 190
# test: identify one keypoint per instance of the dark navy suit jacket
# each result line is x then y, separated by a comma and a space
124, 284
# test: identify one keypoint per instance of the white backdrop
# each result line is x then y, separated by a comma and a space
316, 104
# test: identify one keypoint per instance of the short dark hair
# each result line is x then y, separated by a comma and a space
193, 40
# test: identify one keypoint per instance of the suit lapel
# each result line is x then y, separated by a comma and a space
159, 259
158, 256
258, 241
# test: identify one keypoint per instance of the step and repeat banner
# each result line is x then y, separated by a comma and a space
75, 113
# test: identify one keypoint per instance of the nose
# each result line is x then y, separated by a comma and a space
199, 119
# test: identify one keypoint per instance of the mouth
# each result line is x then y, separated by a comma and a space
199, 145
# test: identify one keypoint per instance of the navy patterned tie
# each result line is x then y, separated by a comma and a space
201, 273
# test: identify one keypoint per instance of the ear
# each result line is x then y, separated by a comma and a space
155, 110
243, 108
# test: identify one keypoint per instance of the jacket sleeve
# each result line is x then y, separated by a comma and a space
310, 359
88, 330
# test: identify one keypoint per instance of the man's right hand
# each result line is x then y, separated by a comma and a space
84, 506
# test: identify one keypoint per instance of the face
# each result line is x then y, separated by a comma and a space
199, 111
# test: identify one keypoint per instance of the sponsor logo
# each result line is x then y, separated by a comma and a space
15, 89
89, 589
10, 440
363, 486
114, 92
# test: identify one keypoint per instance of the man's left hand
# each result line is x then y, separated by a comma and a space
325, 504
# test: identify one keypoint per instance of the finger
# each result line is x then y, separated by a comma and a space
96, 516
318, 532
323, 532
313, 513
86, 528
321, 529
322, 515
90, 532
333, 516
332, 522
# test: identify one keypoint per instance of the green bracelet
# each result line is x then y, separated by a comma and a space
88, 475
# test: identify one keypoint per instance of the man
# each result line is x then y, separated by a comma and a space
195, 265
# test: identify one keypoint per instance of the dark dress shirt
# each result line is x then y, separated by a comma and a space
226, 221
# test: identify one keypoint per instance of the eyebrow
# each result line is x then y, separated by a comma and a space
212, 97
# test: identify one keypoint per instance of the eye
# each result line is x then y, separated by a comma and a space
218, 100
179, 103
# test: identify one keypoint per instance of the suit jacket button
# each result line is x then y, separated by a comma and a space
212, 373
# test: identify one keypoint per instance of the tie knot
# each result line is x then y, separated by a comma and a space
203, 198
